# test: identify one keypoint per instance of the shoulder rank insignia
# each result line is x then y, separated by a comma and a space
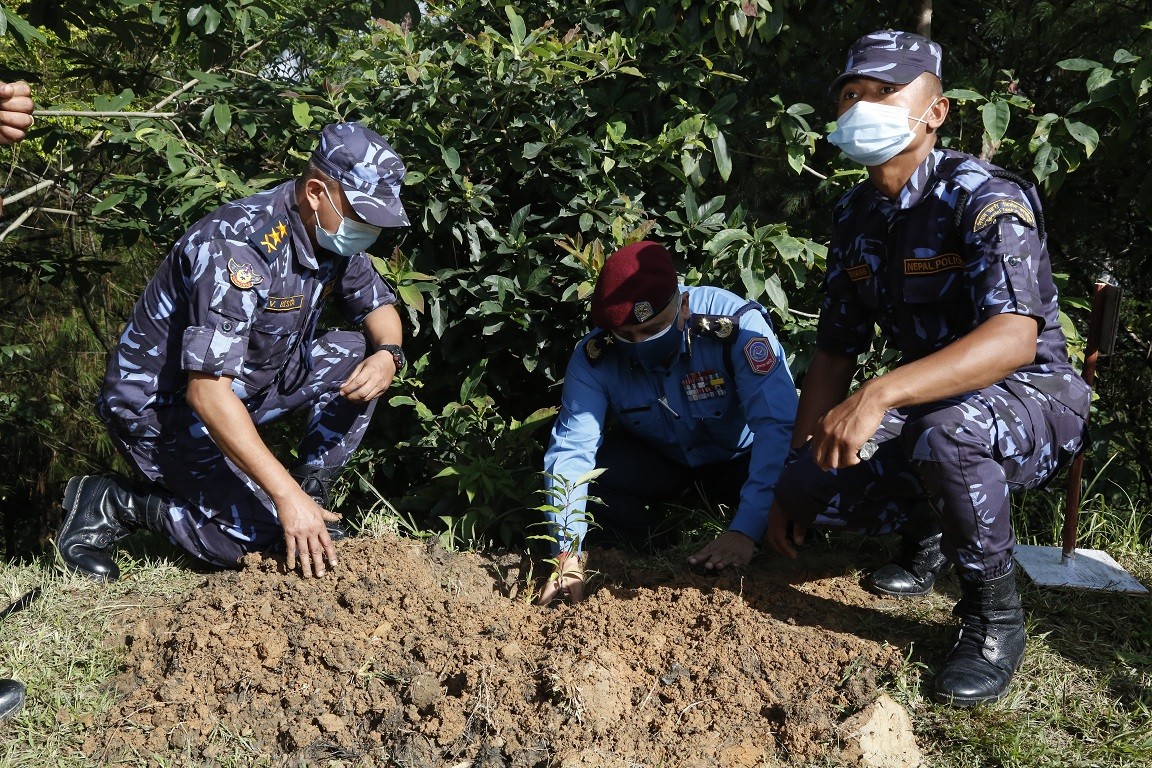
997, 209
243, 275
720, 326
270, 238
595, 347
761, 358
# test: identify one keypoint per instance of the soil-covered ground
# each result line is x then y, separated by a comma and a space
408, 655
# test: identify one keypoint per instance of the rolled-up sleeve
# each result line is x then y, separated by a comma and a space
220, 309
1003, 248
361, 289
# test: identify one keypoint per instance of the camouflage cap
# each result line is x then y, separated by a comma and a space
367, 168
892, 57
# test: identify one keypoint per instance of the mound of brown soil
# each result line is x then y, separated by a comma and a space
408, 655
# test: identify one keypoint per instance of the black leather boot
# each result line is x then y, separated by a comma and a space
101, 510
914, 571
317, 482
11, 697
991, 644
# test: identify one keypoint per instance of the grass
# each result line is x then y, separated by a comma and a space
58, 648
1083, 698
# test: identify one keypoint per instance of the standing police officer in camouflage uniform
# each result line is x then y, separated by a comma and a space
948, 256
224, 339
699, 390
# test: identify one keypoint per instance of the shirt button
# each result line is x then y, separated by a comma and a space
1012, 260
226, 326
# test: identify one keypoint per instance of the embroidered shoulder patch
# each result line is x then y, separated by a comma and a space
859, 272
284, 303
761, 358
243, 276
1000, 208
939, 263
270, 238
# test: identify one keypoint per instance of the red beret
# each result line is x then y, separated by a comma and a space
636, 283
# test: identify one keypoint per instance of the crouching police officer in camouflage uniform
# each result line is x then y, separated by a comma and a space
698, 386
948, 256
224, 339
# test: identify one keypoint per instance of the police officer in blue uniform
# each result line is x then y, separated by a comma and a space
15, 119
947, 255
225, 339
699, 391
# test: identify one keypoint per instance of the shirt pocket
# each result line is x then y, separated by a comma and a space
642, 419
270, 341
946, 287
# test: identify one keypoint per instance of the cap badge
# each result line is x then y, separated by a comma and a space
643, 311
243, 276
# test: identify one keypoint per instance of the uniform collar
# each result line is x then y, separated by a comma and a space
301, 242
915, 189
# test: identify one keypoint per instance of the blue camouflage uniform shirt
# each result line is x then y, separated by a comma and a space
958, 246
719, 399
238, 295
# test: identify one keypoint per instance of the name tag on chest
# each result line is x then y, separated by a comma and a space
284, 303
701, 385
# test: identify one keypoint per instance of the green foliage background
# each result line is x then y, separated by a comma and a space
539, 137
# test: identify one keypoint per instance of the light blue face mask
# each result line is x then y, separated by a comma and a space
872, 134
655, 350
350, 238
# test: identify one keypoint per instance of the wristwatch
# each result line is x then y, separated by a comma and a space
397, 355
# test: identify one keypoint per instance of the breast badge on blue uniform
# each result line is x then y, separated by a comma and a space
701, 385
243, 276
761, 358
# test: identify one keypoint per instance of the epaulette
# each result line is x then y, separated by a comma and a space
724, 326
270, 238
596, 346
719, 326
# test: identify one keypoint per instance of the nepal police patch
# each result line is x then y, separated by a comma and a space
761, 358
243, 276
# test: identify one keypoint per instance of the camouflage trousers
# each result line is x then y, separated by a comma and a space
957, 459
215, 511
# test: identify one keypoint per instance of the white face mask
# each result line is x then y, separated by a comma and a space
872, 134
350, 238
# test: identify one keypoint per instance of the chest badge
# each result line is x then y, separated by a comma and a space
701, 385
243, 276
